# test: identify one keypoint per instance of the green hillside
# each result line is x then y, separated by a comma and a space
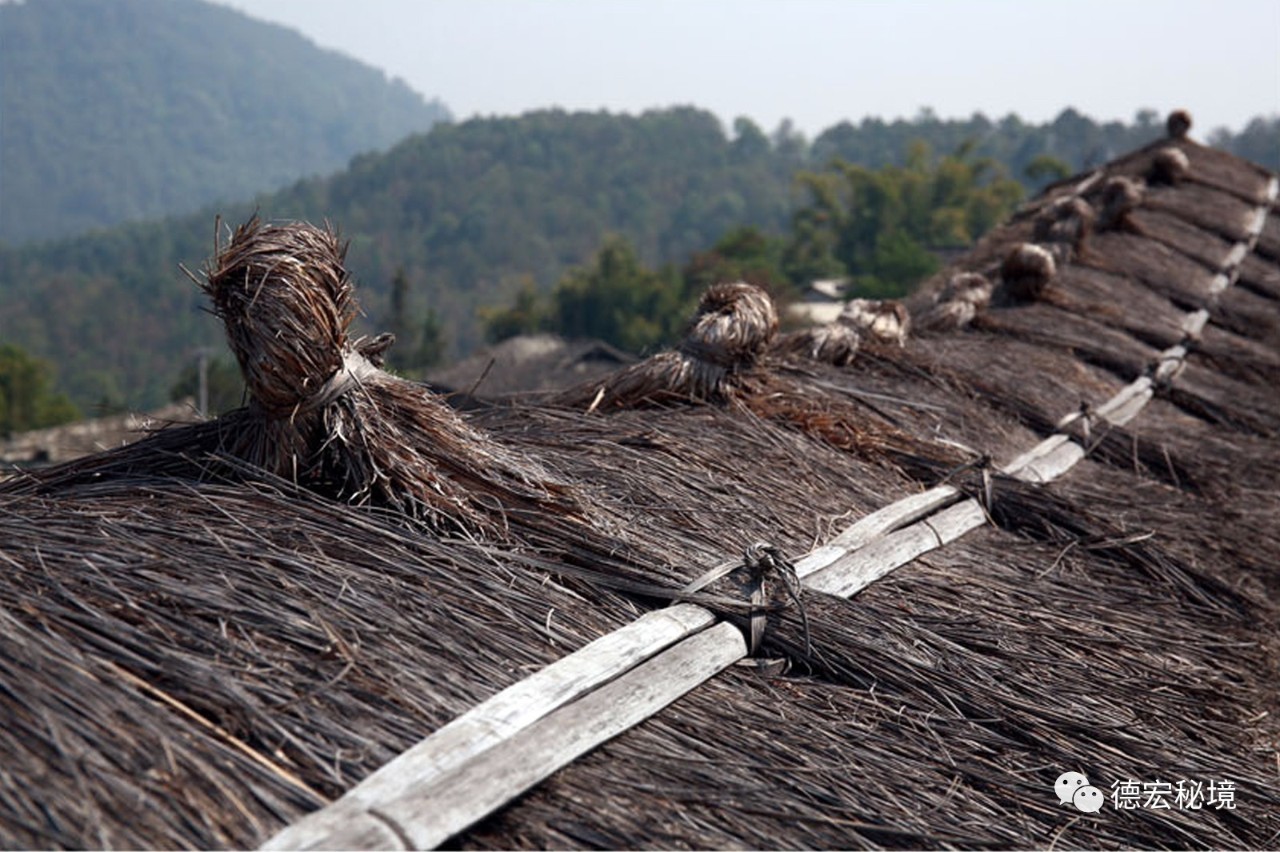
129, 109
472, 213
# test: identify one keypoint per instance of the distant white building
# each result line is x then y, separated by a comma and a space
828, 289
821, 303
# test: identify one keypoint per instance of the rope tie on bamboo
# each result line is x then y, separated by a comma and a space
760, 561
1087, 416
983, 464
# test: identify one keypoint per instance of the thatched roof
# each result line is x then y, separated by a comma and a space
211, 633
528, 363
82, 438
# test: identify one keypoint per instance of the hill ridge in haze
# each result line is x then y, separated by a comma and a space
471, 213
137, 109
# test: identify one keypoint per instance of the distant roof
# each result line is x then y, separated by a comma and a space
831, 288
537, 362
61, 443
1036, 538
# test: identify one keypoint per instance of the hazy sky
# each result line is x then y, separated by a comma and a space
816, 61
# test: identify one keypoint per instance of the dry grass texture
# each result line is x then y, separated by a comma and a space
205, 634
323, 415
731, 328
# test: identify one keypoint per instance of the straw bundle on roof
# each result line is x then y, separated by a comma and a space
1120, 196
834, 342
1026, 272
964, 296
1068, 221
322, 414
732, 327
883, 320
1178, 123
837, 342
1169, 166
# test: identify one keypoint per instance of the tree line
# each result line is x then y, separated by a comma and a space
492, 221
878, 229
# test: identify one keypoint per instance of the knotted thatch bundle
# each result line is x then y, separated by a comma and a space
837, 342
1178, 123
1120, 196
972, 288
1026, 272
733, 325
1170, 166
323, 414
833, 343
964, 296
883, 320
1068, 221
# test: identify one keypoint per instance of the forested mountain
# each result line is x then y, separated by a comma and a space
471, 214
130, 109
468, 212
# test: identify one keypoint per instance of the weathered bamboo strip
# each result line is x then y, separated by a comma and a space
1260, 214
1220, 282
858, 569
878, 523
1194, 324
507, 714
1122, 407
1169, 363
1128, 402
421, 812
1059, 459
1238, 253
1044, 448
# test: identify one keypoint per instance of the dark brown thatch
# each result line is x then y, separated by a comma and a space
323, 414
198, 645
1178, 124
1169, 166
1026, 272
1120, 196
965, 295
731, 328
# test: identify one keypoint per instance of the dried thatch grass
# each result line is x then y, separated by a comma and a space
834, 342
1026, 272
1208, 209
1178, 124
965, 295
194, 650
321, 412
731, 328
722, 361
947, 710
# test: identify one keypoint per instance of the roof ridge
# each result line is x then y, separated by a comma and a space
518, 737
